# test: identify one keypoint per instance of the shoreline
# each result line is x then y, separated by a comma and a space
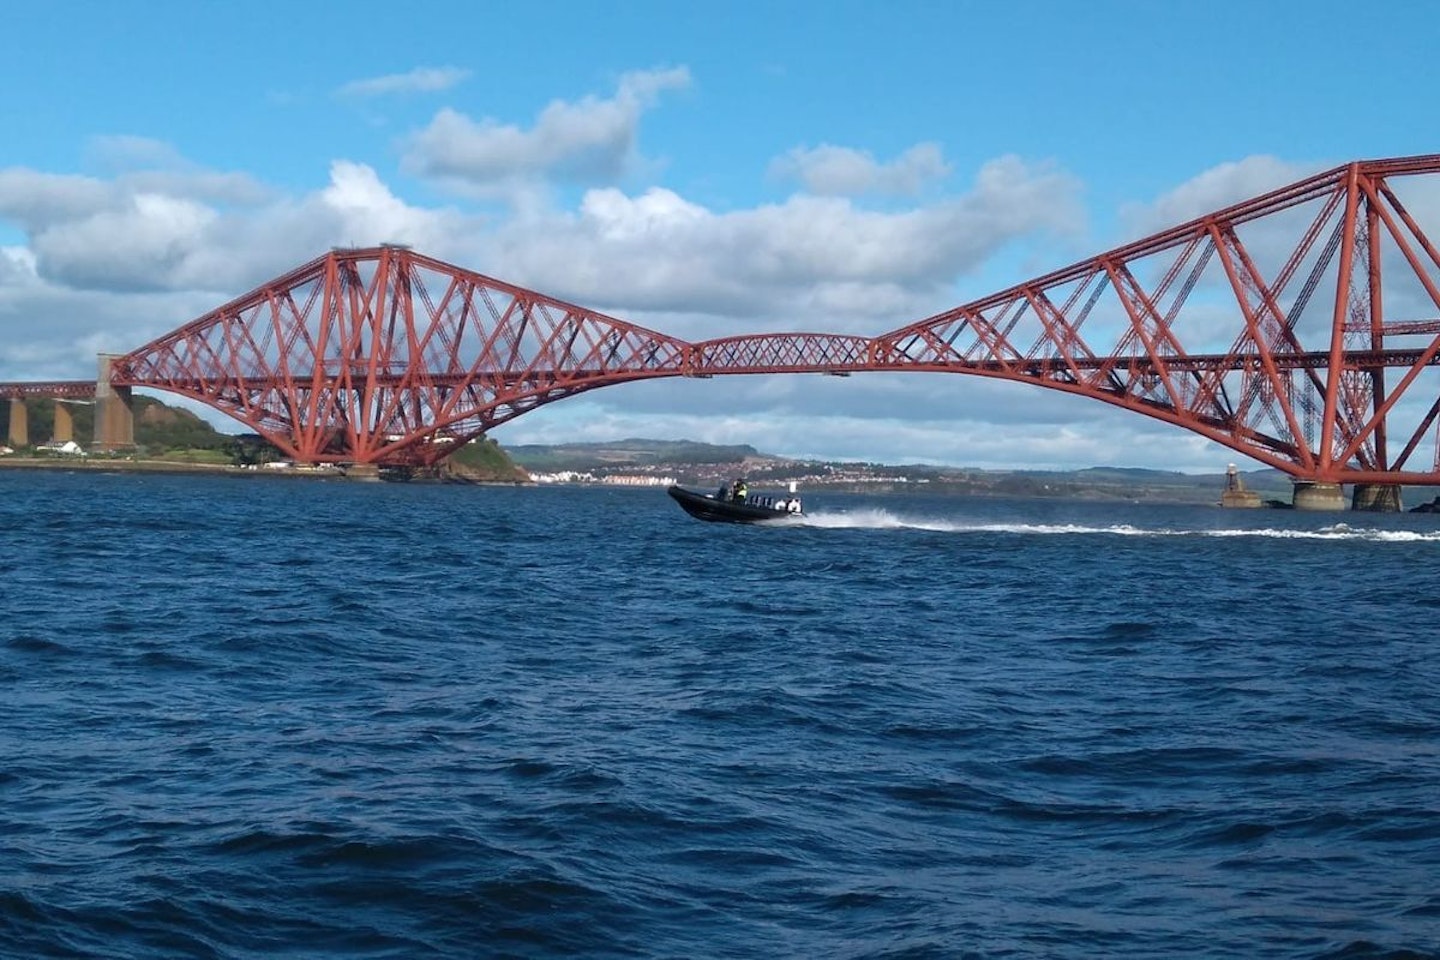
174, 467
153, 466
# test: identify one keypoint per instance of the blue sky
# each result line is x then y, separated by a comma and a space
162, 157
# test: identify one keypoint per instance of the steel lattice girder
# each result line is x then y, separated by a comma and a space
63, 389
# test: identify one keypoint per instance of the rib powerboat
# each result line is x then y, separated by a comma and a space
726, 509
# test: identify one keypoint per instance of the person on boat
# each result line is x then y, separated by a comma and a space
740, 490
723, 493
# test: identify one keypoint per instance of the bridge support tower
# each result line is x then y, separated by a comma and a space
64, 423
1376, 498
1316, 496
19, 423
114, 415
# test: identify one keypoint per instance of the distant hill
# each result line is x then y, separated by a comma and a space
1140, 483
630, 452
703, 464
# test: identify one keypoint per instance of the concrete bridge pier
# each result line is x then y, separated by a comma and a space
1376, 498
114, 415
19, 423
1315, 495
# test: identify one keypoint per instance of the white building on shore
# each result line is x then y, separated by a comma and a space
613, 480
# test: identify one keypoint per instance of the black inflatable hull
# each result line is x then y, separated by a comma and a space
703, 507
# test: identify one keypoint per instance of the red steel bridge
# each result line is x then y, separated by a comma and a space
1300, 328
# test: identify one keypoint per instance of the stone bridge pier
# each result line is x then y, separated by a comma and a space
1314, 495
19, 423
64, 428
1377, 498
114, 412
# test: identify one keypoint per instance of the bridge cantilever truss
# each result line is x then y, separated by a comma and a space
1334, 285
382, 355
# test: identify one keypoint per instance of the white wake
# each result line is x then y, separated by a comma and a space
878, 519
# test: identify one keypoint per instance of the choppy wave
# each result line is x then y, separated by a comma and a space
407, 721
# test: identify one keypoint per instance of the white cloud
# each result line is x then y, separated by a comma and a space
419, 80
147, 235
810, 262
842, 171
358, 208
1213, 190
33, 199
17, 267
592, 140
202, 230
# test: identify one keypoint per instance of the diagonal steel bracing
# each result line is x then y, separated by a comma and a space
1333, 284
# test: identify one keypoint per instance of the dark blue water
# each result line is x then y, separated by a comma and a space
255, 718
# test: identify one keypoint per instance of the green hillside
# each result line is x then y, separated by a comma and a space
159, 428
484, 460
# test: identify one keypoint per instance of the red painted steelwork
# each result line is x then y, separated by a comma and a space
386, 356
1334, 282
382, 355
780, 353
59, 389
